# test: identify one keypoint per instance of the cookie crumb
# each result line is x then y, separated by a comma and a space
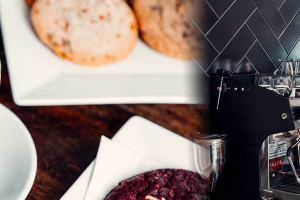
66, 26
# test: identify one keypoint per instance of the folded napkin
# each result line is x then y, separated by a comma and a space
114, 164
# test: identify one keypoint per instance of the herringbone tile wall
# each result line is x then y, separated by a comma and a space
249, 36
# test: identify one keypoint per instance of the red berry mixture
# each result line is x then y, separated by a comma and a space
162, 184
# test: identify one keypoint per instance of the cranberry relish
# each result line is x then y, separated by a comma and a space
162, 184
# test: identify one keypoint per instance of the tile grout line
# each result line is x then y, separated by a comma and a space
241, 60
262, 47
230, 40
252, 65
211, 8
198, 64
282, 4
279, 13
269, 26
220, 17
275, 4
289, 23
201, 31
293, 46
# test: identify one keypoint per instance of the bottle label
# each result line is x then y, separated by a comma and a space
277, 149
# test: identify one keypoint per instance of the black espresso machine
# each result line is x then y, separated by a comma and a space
262, 159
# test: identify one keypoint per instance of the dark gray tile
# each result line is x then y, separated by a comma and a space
272, 15
291, 34
211, 54
227, 64
278, 3
220, 6
295, 54
234, 52
238, 47
265, 36
289, 9
210, 18
230, 23
260, 59
245, 67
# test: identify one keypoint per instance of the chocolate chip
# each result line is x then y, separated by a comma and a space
179, 4
157, 9
187, 25
66, 26
67, 45
49, 36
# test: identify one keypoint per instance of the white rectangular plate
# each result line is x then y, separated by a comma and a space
39, 77
147, 139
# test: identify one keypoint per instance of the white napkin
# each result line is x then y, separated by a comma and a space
114, 164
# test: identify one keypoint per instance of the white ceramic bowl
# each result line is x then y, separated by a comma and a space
18, 159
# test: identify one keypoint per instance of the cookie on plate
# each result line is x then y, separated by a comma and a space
170, 26
87, 32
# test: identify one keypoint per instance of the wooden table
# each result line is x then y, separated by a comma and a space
67, 137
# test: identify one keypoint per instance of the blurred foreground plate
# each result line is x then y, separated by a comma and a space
39, 77
17, 157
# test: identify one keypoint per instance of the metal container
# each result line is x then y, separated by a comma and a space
210, 156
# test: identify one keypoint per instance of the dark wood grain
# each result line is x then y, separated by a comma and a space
67, 137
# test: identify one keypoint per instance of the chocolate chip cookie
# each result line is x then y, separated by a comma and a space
171, 26
87, 32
